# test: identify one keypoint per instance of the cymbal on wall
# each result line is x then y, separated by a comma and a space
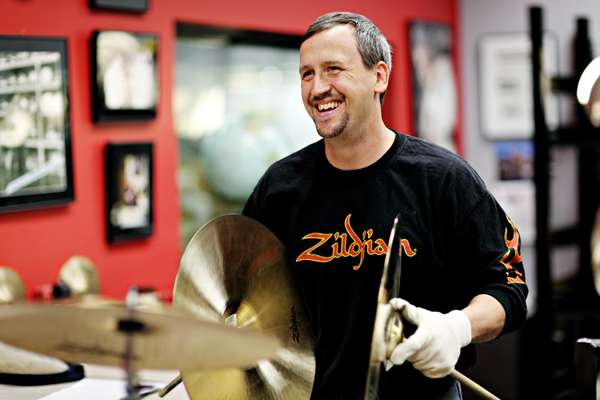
79, 274
11, 286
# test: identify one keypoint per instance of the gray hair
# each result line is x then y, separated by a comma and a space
372, 45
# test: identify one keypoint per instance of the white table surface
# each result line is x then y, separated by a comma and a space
96, 378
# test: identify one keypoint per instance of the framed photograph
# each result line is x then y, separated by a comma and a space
433, 83
35, 139
505, 85
515, 160
134, 6
124, 76
128, 170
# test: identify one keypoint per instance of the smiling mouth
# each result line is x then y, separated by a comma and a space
325, 110
332, 105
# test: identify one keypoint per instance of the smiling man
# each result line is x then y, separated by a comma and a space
332, 204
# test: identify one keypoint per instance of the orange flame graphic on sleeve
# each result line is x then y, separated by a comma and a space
512, 255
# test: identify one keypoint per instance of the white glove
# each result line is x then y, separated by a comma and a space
435, 346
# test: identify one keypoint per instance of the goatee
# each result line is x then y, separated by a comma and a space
334, 131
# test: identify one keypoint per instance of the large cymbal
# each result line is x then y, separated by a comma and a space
234, 271
90, 334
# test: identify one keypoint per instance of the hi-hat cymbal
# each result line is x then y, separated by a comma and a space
11, 286
234, 271
77, 333
79, 274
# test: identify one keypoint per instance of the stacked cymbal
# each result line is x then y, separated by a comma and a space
17, 363
234, 271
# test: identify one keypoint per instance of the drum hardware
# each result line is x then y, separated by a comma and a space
388, 329
234, 272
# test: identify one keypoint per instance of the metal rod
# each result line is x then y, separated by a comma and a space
480, 390
170, 386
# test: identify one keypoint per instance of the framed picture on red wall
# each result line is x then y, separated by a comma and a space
132, 6
35, 138
435, 100
124, 76
128, 180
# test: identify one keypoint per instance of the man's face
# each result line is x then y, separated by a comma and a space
337, 89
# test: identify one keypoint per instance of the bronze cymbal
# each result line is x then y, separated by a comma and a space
79, 274
11, 286
77, 333
234, 271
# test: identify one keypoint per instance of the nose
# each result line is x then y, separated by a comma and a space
321, 85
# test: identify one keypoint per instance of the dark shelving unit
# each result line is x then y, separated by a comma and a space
568, 310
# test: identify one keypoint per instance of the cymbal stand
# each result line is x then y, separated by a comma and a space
130, 326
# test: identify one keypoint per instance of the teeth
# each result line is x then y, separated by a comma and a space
328, 106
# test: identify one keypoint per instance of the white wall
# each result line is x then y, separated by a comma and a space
479, 17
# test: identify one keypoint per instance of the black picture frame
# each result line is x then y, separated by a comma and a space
35, 130
434, 83
132, 6
129, 191
124, 76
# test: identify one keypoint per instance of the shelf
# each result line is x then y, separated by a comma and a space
576, 136
565, 236
32, 87
40, 58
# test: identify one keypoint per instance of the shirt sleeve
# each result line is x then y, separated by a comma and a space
490, 246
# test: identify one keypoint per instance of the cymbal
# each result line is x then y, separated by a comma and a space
11, 286
169, 339
234, 271
595, 244
79, 274
17, 361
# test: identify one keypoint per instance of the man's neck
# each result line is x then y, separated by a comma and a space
349, 152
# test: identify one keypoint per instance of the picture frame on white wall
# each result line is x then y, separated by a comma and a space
505, 93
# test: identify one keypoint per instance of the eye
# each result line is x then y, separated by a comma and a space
306, 75
333, 69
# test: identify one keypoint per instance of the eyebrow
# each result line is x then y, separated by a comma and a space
325, 64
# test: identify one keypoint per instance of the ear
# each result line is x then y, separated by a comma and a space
382, 77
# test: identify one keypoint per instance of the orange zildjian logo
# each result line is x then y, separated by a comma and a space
512, 256
358, 246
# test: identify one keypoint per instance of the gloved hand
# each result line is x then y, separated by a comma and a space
435, 346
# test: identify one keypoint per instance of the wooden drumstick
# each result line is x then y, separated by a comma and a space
480, 390
170, 386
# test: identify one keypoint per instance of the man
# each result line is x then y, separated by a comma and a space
332, 205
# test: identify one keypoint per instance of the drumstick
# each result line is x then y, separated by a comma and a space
170, 386
480, 390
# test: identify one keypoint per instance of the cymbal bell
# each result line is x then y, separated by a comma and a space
80, 276
166, 339
11, 286
234, 271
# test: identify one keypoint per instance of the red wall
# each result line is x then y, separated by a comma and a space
36, 243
